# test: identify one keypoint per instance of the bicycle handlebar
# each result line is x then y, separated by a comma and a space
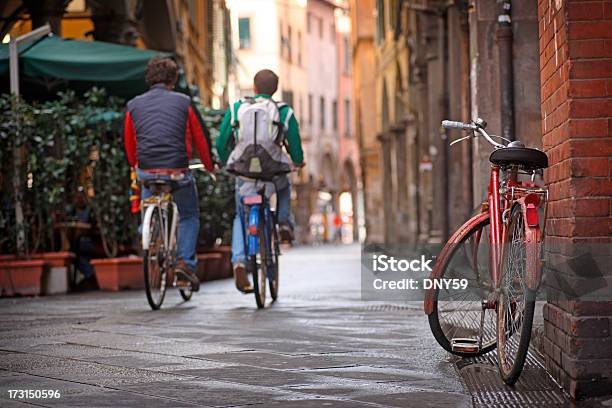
451, 124
476, 127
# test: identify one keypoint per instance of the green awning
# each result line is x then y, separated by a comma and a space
118, 68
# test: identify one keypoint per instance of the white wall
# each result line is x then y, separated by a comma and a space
322, 74
265, 40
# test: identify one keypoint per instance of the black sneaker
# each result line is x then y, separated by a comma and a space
286, 232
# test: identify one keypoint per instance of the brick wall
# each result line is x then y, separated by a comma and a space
576, 92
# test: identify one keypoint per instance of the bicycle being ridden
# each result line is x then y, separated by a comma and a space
162, 129
251, 139
499, 252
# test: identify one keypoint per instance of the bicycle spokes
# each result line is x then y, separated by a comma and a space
514, 307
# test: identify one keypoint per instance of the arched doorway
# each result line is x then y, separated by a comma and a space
323, 218
349, 203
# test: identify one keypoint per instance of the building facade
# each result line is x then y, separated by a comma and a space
536, 72
364, 113
197, 32
303, 43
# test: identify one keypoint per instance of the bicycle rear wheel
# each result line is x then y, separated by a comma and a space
273, 272
155, 263
516, 302
459, 314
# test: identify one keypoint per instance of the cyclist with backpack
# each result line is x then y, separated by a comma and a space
252, 135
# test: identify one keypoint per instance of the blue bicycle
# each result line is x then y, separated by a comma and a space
262, 245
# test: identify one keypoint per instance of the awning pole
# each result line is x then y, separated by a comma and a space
18, 150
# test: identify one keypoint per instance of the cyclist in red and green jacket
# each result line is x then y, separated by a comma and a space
265, 85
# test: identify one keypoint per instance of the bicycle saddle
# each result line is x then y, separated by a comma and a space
157, 186
516, 154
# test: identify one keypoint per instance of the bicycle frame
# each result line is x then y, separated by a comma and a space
161, 202
513, 193
256, 206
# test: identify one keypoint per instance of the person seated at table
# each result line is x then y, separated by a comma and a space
83, 246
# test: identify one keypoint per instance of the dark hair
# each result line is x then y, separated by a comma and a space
161, 70
266, 82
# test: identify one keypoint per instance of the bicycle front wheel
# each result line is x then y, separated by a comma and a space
259, 269
155, 262
516, 302
458, 314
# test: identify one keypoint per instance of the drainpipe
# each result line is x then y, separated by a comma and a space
506, 75
445, 154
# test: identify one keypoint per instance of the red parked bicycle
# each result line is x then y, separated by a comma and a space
499, 252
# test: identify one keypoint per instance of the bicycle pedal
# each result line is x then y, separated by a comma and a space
464, 345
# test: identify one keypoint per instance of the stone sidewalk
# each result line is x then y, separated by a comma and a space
319, 345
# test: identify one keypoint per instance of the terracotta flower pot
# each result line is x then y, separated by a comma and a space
58, 271
222, 267
208, 264
20, 277
56, 259
115, 274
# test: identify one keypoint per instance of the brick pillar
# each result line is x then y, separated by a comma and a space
576, 94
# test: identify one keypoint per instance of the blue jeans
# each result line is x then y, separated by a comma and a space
186, 198
283, 200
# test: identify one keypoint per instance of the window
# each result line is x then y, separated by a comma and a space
299, 48
193, 12
289, 44
282, 40
320, 27
380, 20
335, 114
301, 100
244, 32
392, 14
322, 112
347, 55
288, 97
347, 117
310, 112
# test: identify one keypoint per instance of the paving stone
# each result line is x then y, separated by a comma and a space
422, 399
370, 374
319, 345
204, 392
249, 375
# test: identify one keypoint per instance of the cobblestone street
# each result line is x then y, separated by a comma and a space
319, 345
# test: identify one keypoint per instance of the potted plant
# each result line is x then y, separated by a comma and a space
217, 210
21, 277
119, 273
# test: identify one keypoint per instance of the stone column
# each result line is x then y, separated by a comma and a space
48, 11
412, 179
387, 188
398, 133
112, 22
